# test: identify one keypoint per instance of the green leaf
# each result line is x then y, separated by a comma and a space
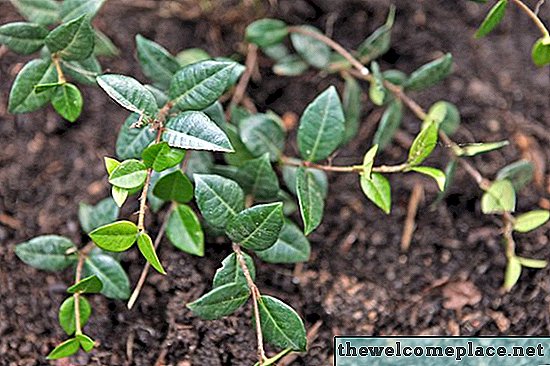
83, 71
313, 51
40, 88
156, 62
266, 32
289, 177
378, 43
115, 237
322, 126
480, 148
67, 101
199, 162
448, 116
115, 282
310, 199
89, 285
86, 342
241, 153
377, 92
66, 314
258, 178
541, 51
389, 123
290, 65
531, 220
198, 85
161, 156
110, 164
395, 76
184, 231
434, 173
132, 141
92, 217
47, 252
174, 186
145, 245
104, 46
219, 199
291, 246
23, 38
519, 173
258, 227
262, 133
71, 9
23, 96
73, 40
500, 197
221, 301
65, 349
191, 55
532, 263
423, 144
216, 113
281, 325
119, 195
352, 107
512, 273
44, 12
450, 171
493, 18
129, 93
430, 74
378, 190
129, 174
368, 161
231, 271
195, 131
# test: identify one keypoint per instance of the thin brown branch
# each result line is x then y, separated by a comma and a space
82, 254
534, 17
240, 89
342, 169
508, 235
57, 63
412, 209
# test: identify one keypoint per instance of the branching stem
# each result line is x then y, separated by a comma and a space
57, 63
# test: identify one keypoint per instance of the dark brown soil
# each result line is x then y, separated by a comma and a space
358, 281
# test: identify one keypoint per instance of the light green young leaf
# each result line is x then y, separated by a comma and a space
65, 349
23, 38
174, 186
231, 271
262, 133
67, 101
219, 199
88, 285
281, 325
132, 141
378, 43
322, 126
352, 107
446, 116
145, 245
512, 273
377, 92
493, 18
310, 199
92, 217
196, 131
423, 144
161, 156
86, 342
115, 281
198, 85
266, 32
192, 55
185, 232
115, 237
47, 252
378, 190
129, 174
44, 12
368, 161
434, 173
290, 65
156, 62
119, 195
104, 46
289, 177
258, 178
291, 246
258, 227
73, 40
71, 9
389, 123
313, 51
480, 148
519, 173
531, 220
23, 97
532, 263
541, 52
66, 314
129, 93
221, 301
83, 71
430, 74
500, 197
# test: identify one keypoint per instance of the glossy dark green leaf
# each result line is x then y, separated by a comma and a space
219, 199
184, 231
258, 178
73, 40
512, 273
131, 141
47, 252
216, 113
322, 126
291, 246
192, 55
45, 12
231, 271
430, 74
221, 301
310, 199
423, 144
262, 133
434, 173
88, 285
493, 18
541, 52
241, 153
115, 237
23, 38
161, 156
313, 51
66, 314
290, 65
258, 227
198, 85
199, 162
500, 197
71, 9
266, 32
86, 342
92, 217
480, 148
65, 349
129, 93
40, 88
519, 173
115, 281
378, 190
531, 220
156, 62
352, 108
104, 46
195, 131
378, 43
289, 177
82, 71
174, 186
67, 101
281, 325
23, 97
145, 245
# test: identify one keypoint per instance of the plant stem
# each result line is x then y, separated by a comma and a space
343, 169
240, 89
540, 25
508, 236
57, 63
255, 298
82, 255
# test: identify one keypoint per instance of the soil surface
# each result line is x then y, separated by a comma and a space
358, 280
